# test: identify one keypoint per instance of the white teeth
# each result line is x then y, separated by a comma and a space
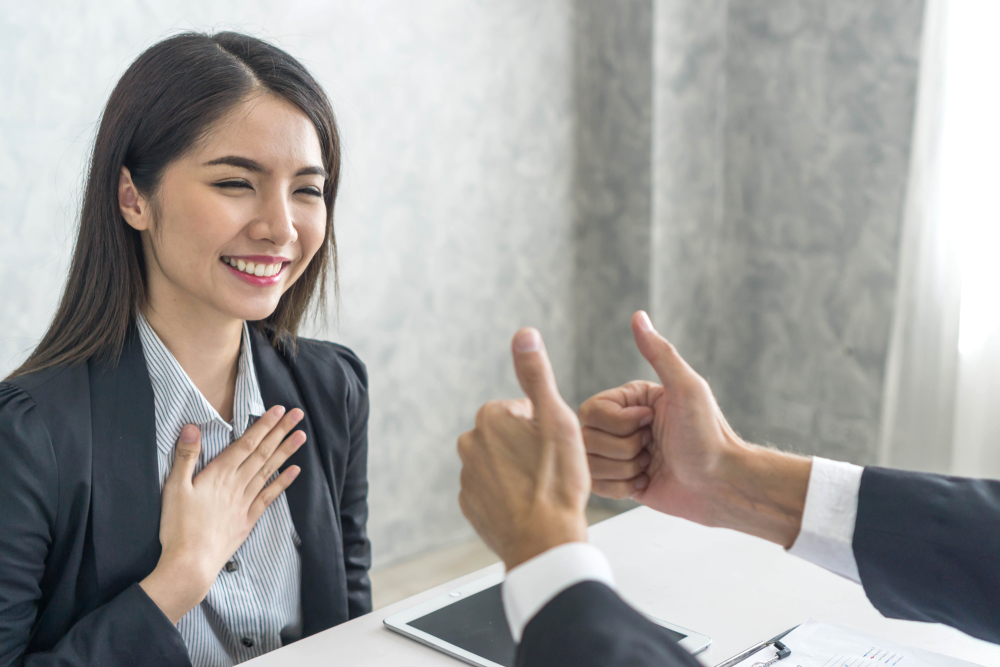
261, 269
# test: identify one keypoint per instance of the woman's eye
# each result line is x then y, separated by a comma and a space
233, 185
312, 190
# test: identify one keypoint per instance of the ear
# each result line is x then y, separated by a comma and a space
134, 208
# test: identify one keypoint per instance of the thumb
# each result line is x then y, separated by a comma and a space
186, 453
534, 371
661, 355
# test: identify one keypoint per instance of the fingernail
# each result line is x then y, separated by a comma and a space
646, 421
527, 340
644, 322
279, 410
642, 483
647, 438
189, 433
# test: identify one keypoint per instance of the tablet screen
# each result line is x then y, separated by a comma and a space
478, 625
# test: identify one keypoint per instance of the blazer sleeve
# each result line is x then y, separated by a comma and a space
928, 547
354, 498
590, 625
129, 629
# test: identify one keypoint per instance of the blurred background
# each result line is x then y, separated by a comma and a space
800, 192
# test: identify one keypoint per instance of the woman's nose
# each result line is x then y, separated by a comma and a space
276, 222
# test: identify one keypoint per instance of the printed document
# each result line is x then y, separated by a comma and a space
820, 645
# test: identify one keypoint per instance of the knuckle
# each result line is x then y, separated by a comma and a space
464, 446
262, 454
488, 415
185, 454
481, 415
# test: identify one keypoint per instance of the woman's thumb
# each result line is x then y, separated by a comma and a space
186, 452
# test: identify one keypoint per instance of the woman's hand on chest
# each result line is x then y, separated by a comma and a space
206, 517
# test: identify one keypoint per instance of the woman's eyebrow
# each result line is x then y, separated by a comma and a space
250, 165
312, 171
237, 161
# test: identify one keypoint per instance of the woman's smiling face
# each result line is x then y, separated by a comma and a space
236, 220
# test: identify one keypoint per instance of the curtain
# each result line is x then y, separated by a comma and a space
941, 400
922, 366
969, 183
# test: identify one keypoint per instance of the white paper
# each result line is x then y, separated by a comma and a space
820, 645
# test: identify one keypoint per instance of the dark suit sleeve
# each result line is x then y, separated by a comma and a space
130, 629
354, 499
588, 624
928, 548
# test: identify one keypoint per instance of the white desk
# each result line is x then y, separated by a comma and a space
736, 589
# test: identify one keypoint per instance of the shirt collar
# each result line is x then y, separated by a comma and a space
177, 401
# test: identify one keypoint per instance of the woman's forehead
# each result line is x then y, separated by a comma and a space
267, 129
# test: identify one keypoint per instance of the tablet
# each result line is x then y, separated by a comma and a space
468, 623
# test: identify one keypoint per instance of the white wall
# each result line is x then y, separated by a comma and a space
454, 221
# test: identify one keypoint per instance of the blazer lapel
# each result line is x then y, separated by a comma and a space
126, 489
310, 500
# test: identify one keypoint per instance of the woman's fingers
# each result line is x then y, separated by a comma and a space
252, 464
603, 469
237, 452
185, 455
271, 493
290, 445
623, 448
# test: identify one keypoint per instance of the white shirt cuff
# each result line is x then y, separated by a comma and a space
532, 584
827, 534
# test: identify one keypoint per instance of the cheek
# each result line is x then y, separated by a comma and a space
311, 235
196, 227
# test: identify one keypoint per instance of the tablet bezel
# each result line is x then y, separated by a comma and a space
693, 642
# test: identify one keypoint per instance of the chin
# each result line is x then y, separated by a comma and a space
252, 311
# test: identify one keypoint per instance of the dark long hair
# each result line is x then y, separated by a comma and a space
163, 104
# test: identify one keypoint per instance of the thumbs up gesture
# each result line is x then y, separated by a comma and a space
669, 447
525, 481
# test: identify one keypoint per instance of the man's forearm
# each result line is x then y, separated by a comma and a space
761, 492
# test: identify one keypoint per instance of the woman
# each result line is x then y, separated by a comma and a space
147, 443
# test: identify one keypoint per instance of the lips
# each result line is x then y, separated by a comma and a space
258, 268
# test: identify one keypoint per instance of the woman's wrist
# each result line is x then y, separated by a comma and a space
761, 492
176, 588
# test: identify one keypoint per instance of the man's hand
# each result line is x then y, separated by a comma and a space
669, 447
525, 482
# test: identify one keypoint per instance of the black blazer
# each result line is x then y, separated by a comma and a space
927, 549
80, 504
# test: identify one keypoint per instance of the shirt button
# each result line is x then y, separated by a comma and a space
232, 566
247, 642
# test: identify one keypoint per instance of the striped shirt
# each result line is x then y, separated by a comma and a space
253, 606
